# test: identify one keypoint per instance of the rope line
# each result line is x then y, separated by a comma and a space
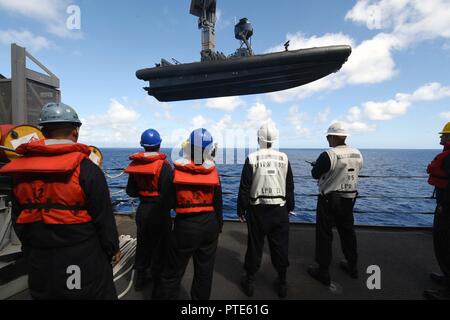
305, 211
115, 176
295, 176
131, 201
117, 192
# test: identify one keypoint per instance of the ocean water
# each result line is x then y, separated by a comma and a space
394, 193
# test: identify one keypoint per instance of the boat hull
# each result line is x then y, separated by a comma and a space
243, 76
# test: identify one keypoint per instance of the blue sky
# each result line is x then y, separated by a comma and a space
394, 92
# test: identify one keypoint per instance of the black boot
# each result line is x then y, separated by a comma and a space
440, 279
443, 294
320, 274
282, 285
247, 285
141, 280
349, 268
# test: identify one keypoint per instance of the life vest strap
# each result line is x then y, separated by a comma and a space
194, 205
439, 177
48, 206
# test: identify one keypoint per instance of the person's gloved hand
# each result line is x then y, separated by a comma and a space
116, 258
241, 216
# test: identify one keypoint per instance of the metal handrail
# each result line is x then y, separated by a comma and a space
304, 210
224, 175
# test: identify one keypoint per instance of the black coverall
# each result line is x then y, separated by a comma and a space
194, 235
50, 250
153, 224
333, 209
265, 220
441, 226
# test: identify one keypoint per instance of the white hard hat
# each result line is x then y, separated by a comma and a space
268, 132
337, 129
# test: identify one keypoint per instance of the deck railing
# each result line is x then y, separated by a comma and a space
133, 202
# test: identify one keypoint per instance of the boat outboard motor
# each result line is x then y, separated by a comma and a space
243, 31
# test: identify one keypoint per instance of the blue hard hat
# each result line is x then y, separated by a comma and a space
58, 113
201, 138
150, 138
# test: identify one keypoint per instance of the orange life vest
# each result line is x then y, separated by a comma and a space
438, 177
194, 186
146, 169
46, 182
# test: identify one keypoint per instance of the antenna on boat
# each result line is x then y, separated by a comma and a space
243, 31
205, 10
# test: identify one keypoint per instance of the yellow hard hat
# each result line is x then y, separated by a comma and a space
446, 129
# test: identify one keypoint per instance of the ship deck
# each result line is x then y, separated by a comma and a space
404, 255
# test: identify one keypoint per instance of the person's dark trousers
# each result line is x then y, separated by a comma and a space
271, 221
48, 277
441, 239
334, 209
153, 229
196, 236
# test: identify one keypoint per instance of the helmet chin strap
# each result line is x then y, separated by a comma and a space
264, 145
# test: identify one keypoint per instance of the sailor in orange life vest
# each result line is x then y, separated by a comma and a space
266, 197
150, 179
337, 171
62, 213
198, 204
439, 171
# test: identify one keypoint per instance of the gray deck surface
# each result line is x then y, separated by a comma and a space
405, 257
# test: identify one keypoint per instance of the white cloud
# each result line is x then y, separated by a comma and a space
117, 127
227, 104
52, 13
376, 14
403, 22
300, 40
385, 110
26, 39
372, 61
228, 132
417, 20
221, 23
358, 126
445, 115
297, 120
257, 114
354, 114
430, 92
298, 93
160, 110
117, 114
199, 121
357, 117
323, 115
